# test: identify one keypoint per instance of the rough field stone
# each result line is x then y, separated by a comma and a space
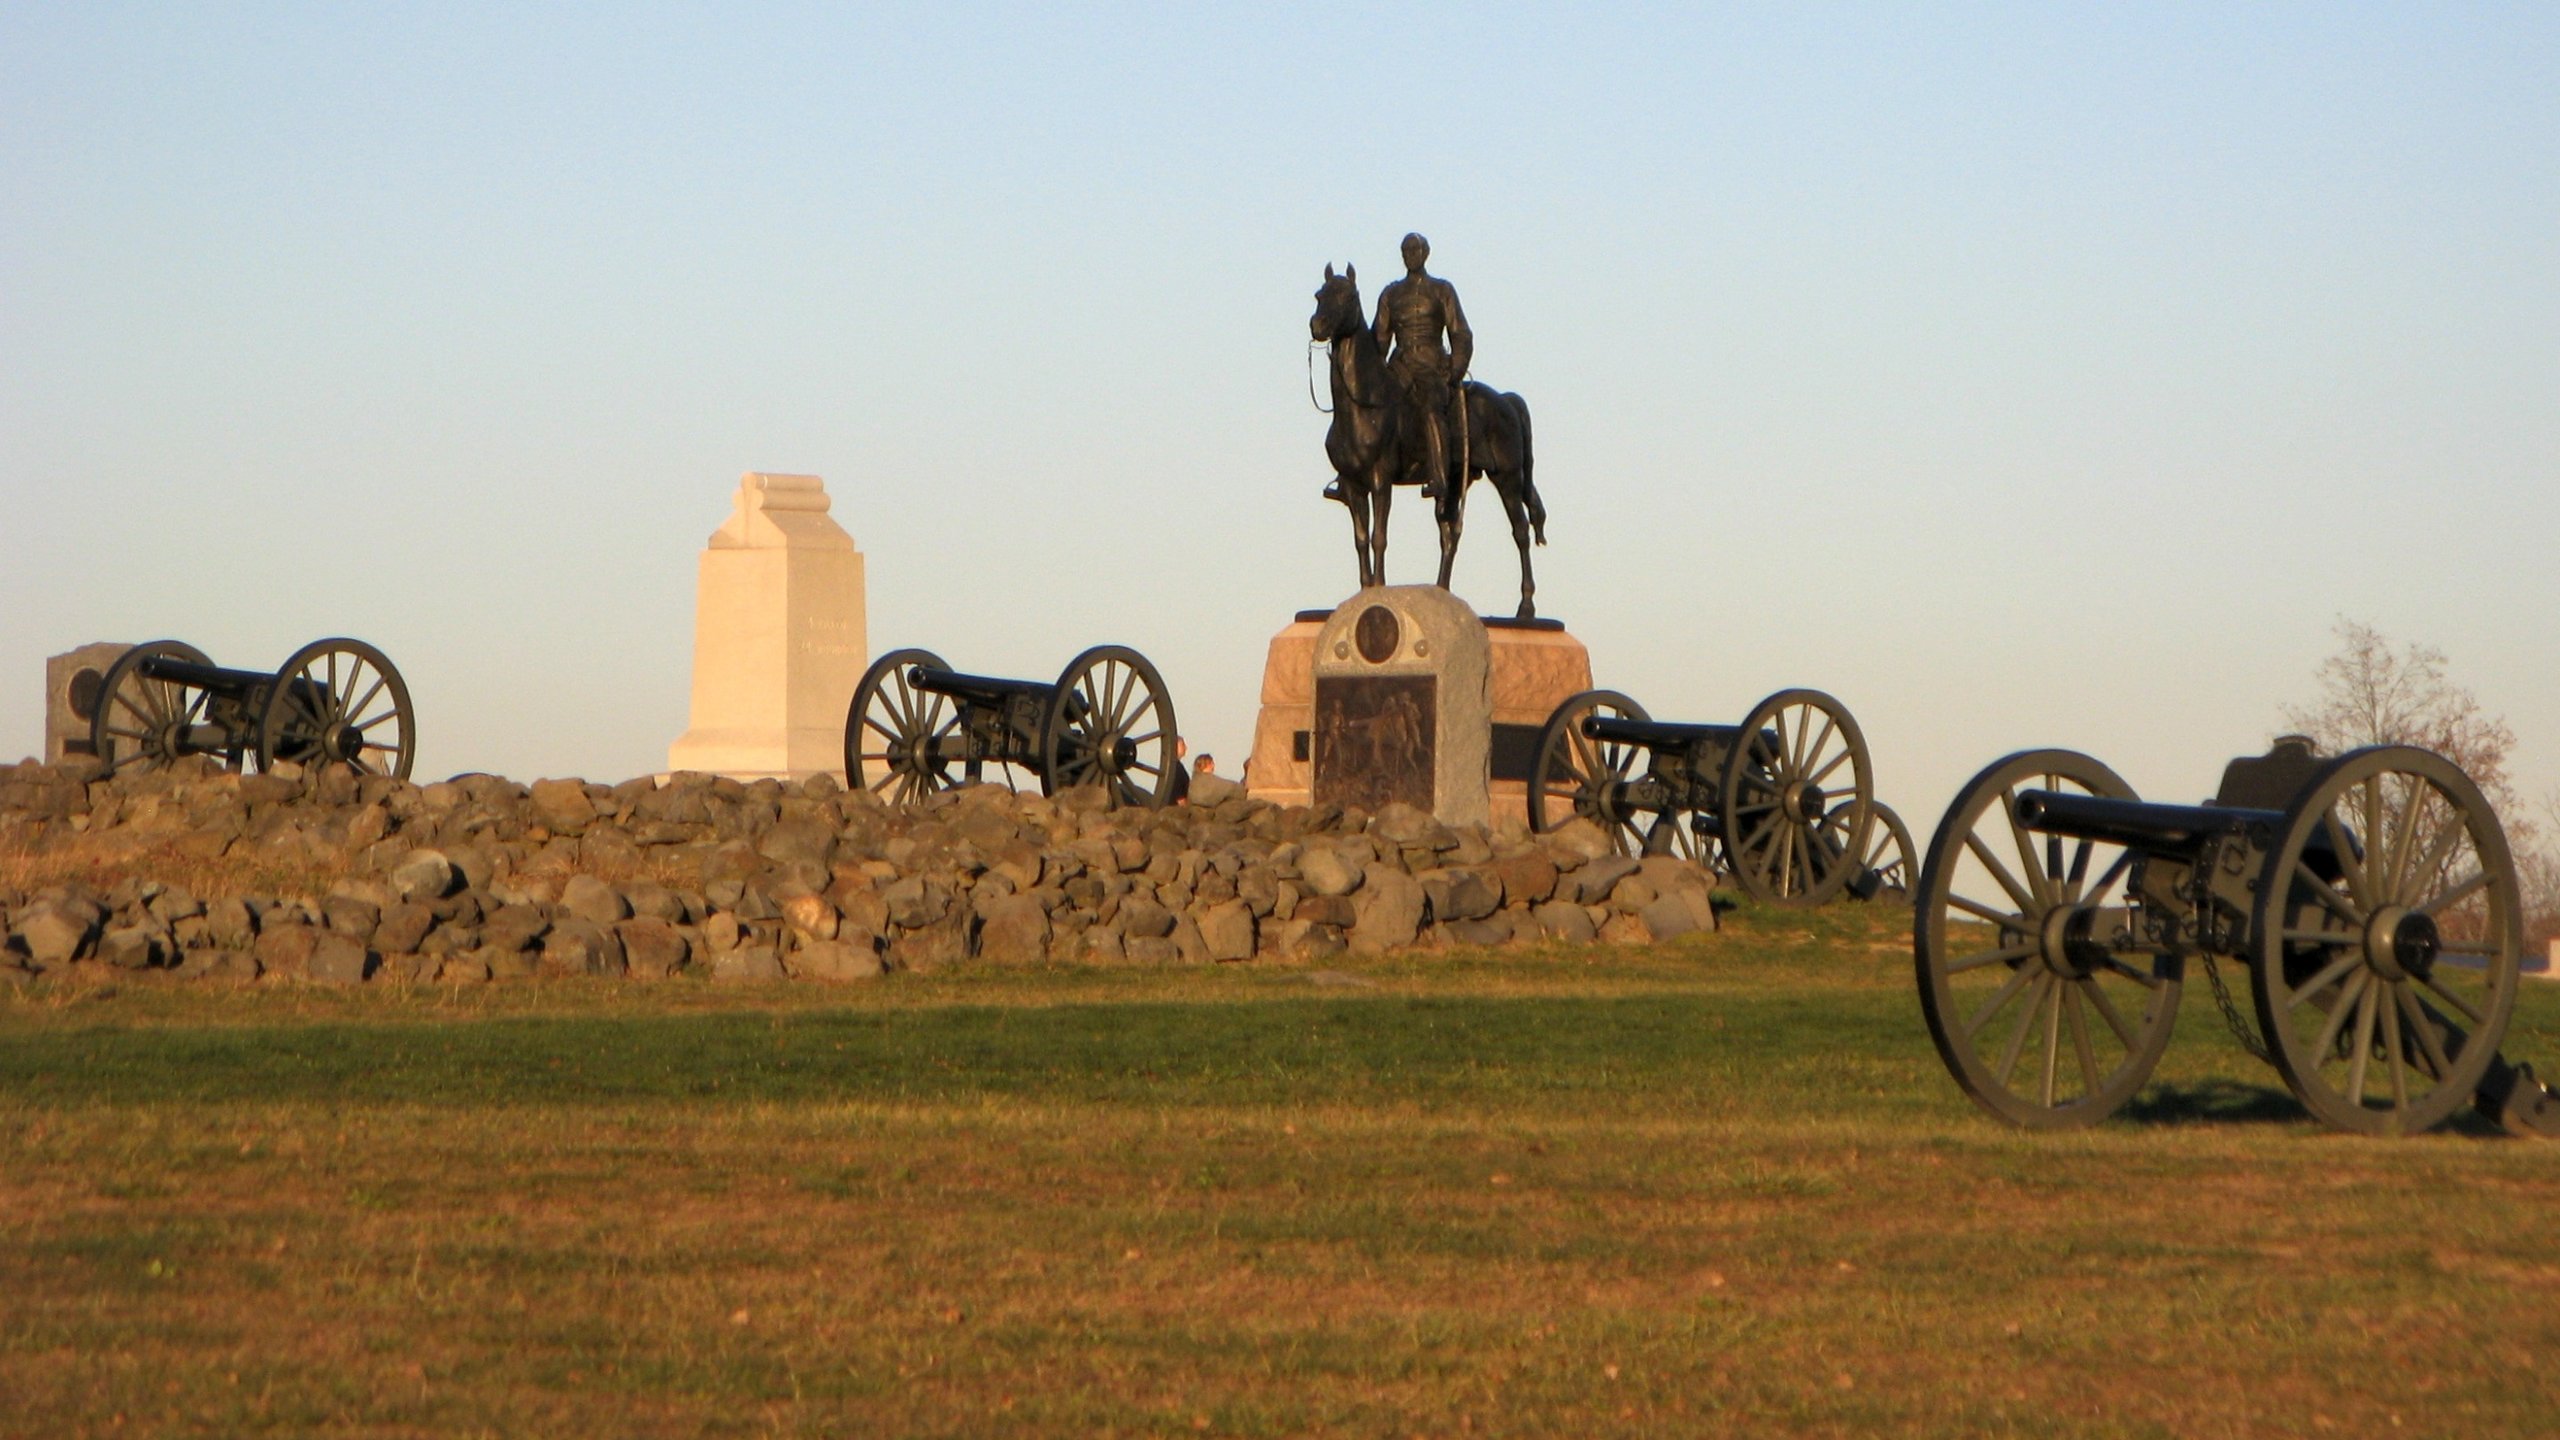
285, 949
1015, 931
1593, 882
652, 949
747, 965
1390, 912
1145, 919
423, 875
1580, 840
57, 932
1327, 871
133, 947
404, 927
592, 900
336, 959
513, 927
563, 806
809, 914
1566, 922
1668, 918
581, 947
1459, 895
1527, 878
351, 915
1482, 933
1227, 930
834, 960
1335, 910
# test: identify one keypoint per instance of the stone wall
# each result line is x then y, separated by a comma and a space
479, 878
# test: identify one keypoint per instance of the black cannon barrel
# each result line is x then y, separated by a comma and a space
2136, 824
974, 687
1657, 734
202, 677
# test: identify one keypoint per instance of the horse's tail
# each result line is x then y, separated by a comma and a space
1528, 472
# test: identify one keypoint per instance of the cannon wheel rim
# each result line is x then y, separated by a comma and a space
1965, 882
1122, 687
1888, 855
1571, 768
2431, 845
1808, 860
887, 711
137, 716
341, 665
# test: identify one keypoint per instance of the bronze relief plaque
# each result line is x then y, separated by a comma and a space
1374, 739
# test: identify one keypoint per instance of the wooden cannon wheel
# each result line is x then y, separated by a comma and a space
142, 721
339, 702
899, 741
2387, 941
2045, 1011
1796, 793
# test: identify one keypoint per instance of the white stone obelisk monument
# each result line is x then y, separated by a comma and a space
778, 636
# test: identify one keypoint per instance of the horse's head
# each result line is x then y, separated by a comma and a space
1337, 305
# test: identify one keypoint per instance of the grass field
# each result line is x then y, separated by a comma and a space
1717, 1189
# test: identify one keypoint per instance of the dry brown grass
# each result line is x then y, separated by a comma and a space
1725, 1190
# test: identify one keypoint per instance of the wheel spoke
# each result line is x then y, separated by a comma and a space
2005, 955
2026, 902
2036, 879
2392, 1053
2080, 1040
2455, 896
2456, 1001
2294, 1000
2329, 896
2360, 1049
2106, 1009
2052, 1040
2026, 1021
2423, 1026
2006, 920
2147, 982
2350, 866
1999, 998
2396, 874
2339, 1010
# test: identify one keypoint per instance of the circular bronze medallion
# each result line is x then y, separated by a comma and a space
1377, 633
84, 692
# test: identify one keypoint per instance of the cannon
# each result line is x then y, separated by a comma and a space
2371, 896
1106, 720
1783, 802
333, 702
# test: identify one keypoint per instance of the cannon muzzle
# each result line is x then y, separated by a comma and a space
2134, 824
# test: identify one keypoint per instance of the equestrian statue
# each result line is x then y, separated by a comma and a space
1404, 413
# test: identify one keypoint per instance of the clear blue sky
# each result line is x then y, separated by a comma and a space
2023, 375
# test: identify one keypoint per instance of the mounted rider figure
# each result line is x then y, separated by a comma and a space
1414, 313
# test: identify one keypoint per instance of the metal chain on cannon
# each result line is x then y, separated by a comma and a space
2241, 1029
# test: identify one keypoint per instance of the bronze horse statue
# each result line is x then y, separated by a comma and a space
1374, 449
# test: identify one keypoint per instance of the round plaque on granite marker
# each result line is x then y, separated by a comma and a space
1377, 634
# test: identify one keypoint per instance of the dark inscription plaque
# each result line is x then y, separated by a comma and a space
1373, 739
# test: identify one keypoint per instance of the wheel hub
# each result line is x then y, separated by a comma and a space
1802, 803
2400, 943
347, 744
2066, 941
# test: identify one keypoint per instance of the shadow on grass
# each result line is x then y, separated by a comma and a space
2215, 1102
